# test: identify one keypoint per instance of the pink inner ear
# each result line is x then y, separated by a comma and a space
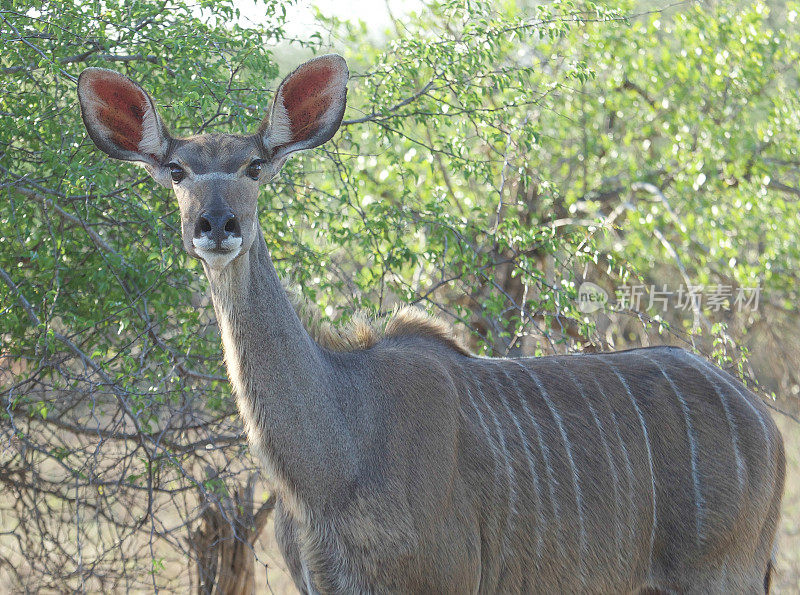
121, 109
306, 97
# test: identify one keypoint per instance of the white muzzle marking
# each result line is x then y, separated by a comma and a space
217, 259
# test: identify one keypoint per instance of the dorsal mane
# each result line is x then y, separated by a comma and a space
409, 321
363, 331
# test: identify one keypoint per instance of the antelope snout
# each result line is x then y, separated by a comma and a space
218, 227
217, 237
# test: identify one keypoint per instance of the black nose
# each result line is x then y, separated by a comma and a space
217, 226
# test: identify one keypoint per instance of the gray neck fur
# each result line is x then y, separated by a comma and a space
283, 381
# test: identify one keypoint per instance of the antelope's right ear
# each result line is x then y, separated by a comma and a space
121, 119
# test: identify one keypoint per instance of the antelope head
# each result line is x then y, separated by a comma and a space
216, 177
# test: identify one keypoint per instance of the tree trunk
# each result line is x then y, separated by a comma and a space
223, 543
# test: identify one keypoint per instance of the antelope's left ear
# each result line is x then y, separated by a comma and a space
308, 107
121, 119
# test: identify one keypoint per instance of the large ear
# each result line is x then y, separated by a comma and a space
121, 118
308, 107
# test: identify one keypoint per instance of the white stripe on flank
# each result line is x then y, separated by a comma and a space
496, 454
512, 493
551, 480
531, 466
575, 478
609, 456
628, 465
723, 576
731, 423
649, 452
699, 501
718, 373
486, 431
485, 428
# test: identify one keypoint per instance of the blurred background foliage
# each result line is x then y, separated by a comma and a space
493, 157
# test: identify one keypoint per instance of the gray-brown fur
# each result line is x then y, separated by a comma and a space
401, 463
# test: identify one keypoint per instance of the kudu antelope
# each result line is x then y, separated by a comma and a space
406, 464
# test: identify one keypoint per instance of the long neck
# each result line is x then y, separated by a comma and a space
282, 379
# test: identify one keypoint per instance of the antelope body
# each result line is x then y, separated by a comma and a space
409, 465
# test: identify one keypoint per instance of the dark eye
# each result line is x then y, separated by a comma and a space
254, 169
176, 171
